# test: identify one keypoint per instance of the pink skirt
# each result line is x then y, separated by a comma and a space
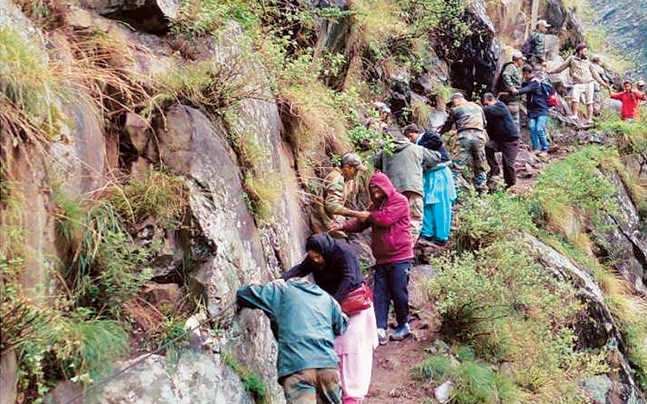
355, 351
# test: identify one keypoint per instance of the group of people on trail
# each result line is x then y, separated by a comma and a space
325, 354
587, 77
325, 348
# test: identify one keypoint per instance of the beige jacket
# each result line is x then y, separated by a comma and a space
580, 70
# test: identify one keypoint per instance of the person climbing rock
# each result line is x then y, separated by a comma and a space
305, 320
470, 126
335, 268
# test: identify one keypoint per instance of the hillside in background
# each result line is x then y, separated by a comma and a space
626, 25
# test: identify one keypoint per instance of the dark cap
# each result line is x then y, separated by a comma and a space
353, 160
580, 46
411, 128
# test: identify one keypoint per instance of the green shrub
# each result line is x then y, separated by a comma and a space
158, 195
86, 347
216, 87
108, 268
485, 219
503, 303
54, 343
473, 381
629, 136
574, 193
30, 85
252, 382
200, 18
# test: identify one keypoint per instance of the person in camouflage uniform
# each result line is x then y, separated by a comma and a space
510, 79
338, 184
537, 54
470, 127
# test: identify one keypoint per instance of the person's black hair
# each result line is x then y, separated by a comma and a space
526, 69
488, 97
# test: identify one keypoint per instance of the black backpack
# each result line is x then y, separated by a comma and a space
528, 46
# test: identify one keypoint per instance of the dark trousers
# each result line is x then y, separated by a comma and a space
391, 283
509, 152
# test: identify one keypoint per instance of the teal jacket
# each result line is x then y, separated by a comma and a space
305, 320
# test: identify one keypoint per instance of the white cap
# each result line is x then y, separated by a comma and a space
516, 55
544, 23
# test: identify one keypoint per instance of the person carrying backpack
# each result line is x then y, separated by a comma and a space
535, 46
537, 105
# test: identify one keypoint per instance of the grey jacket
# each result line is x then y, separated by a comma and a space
406, 165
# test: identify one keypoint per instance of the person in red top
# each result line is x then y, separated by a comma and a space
388, 217
630, 99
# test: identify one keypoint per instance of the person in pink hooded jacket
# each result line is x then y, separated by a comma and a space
388, 217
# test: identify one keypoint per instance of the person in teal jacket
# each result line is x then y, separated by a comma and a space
305, 320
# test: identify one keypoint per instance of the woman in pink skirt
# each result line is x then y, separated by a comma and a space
335, 268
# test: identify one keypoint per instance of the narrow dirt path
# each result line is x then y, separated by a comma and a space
392, 381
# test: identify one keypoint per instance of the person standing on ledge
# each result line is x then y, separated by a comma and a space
583, 76
388, 218
504, 138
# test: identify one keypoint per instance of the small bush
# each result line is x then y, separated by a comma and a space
30, 85
252, 382
206, 84
485, 219
629, 136
158, 195
52, 344
509, 309
473, 382
574, 192
204, 17
108, 268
